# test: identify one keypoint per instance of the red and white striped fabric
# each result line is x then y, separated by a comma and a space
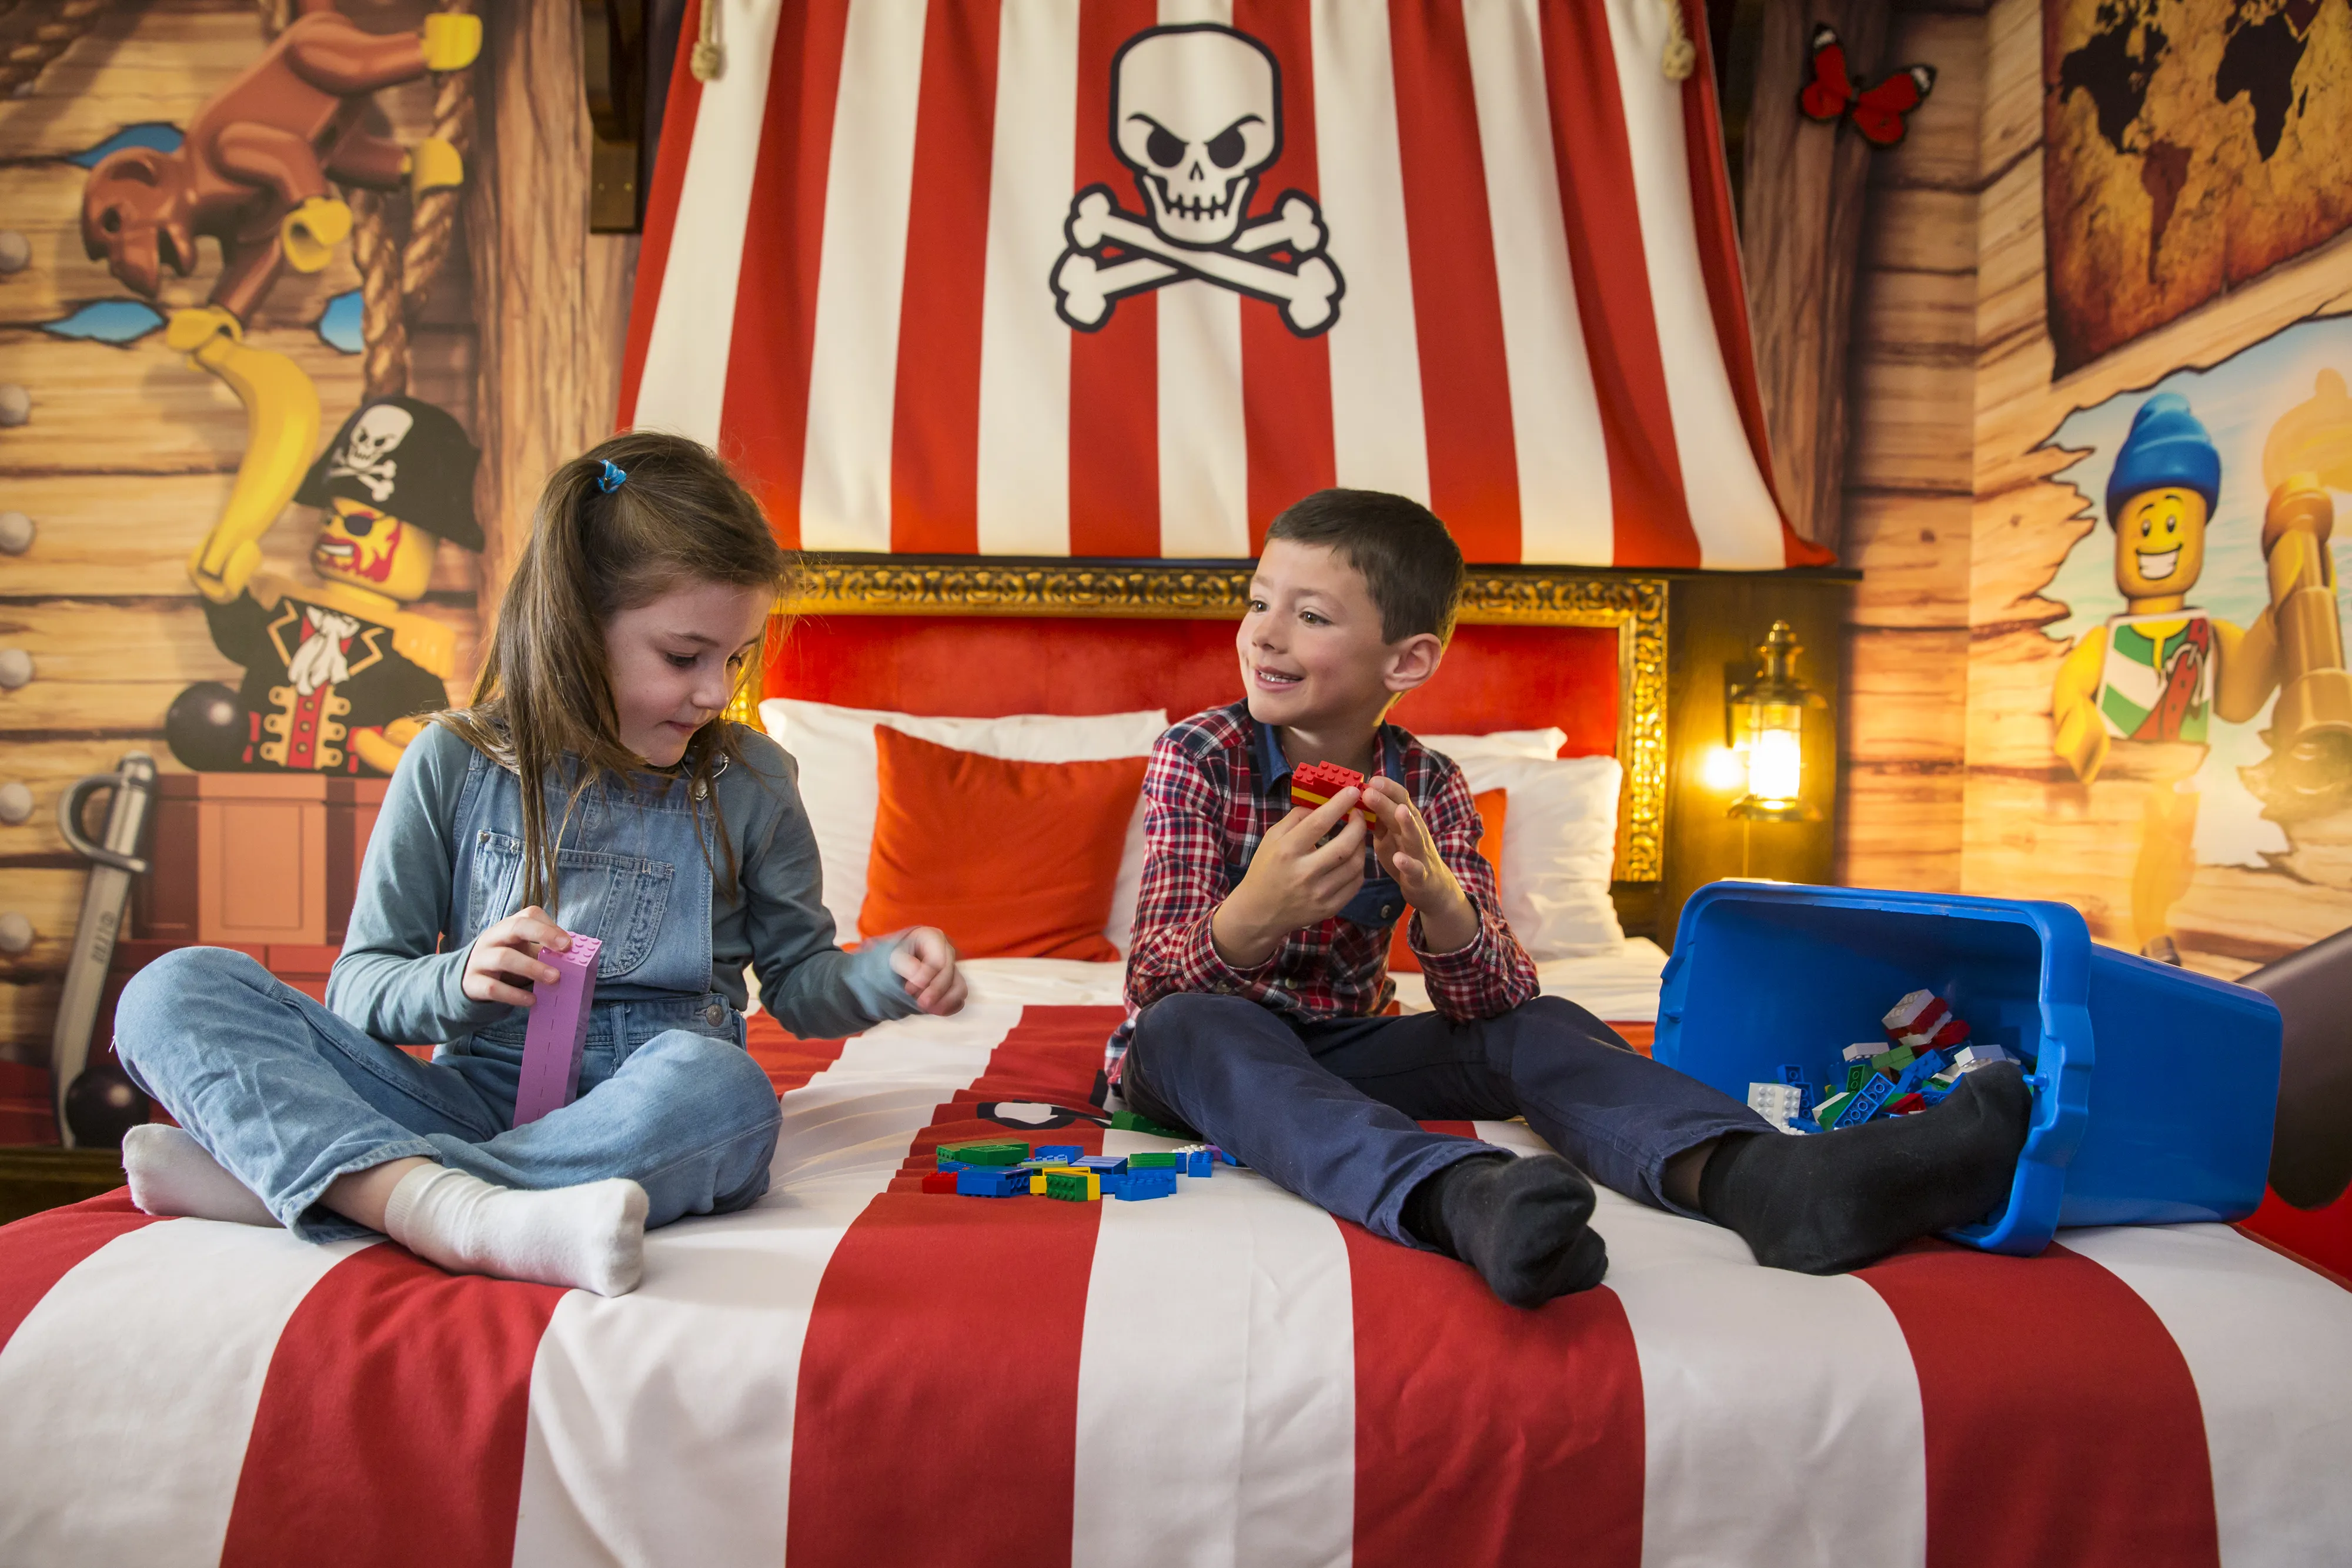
860, 235
853, 1374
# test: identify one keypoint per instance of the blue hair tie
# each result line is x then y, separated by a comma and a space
613, 478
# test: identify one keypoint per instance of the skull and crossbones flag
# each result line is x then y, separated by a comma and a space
1125, 278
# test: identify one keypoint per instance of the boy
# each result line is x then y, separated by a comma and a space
1258, 972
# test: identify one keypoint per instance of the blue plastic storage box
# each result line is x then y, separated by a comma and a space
2154, 1088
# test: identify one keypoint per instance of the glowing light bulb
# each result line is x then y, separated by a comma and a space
1776, 765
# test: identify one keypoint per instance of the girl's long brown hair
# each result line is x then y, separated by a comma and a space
543, 703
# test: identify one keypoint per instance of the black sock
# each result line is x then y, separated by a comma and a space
1523, 1224
1822, 1205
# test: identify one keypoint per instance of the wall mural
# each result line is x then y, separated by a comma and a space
2192, 146
334, 669
2206, 667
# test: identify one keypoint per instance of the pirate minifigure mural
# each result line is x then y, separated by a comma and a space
336, 673
2229, 600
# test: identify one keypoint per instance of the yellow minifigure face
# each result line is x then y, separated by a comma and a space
360, 545
2161, 543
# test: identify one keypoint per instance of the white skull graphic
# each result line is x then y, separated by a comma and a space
377, 432
1197, 114
365, 454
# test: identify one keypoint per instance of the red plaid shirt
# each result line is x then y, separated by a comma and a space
1216, 782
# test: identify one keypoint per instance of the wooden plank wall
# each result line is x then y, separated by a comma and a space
1909, 481
130, 454
1953, 518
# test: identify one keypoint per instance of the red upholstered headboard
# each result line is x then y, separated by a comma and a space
1535, 647
1494, 677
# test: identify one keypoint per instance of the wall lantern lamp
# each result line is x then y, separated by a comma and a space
1765, 719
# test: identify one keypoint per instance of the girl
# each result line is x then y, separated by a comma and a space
592, 788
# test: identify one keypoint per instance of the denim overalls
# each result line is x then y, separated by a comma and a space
288, 1096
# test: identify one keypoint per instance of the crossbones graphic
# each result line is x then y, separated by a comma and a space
1197, 114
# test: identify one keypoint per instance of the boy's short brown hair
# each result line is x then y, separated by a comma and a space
1409, 562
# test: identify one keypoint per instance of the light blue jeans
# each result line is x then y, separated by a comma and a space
288, 1096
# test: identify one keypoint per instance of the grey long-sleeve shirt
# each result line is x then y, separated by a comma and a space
404, 957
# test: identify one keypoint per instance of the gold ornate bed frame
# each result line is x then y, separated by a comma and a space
1634, 603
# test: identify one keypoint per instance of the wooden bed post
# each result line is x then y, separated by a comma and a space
551, 299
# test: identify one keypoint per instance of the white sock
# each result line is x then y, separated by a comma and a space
172, 1175
590, 1238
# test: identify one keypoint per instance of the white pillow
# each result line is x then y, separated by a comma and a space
839, 760
1560, 844
1537, 743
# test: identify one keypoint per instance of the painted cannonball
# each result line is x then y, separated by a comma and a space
102, 1105
205, 728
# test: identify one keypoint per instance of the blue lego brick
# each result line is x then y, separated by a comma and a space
1867, 1102
1060, 1153
1101, 1164
992, 1181
1794, 1073
1196, 1160
1138, 1185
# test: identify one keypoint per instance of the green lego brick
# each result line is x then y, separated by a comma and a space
1857, 1075
985, 1154
1157, 1160
1893, 1062
1073, 1186
1128, 1122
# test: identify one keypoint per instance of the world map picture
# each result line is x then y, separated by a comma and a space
2191, 146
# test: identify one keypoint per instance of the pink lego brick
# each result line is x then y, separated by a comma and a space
559, 1028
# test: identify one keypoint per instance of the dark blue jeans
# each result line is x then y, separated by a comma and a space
1330, 1110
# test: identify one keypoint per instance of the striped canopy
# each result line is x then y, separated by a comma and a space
1125, 278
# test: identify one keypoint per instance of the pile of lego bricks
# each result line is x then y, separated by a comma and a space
1014, 1170
1922, 1059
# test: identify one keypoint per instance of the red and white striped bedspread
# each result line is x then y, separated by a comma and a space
856, 1374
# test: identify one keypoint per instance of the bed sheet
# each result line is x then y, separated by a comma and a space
855, 1373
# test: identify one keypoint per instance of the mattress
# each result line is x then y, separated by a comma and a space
856, 1373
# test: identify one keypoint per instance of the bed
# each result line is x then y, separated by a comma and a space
855, 1372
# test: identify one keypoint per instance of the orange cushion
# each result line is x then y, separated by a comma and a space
1012, 859
1493, 805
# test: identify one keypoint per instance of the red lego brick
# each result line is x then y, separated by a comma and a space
1315, 784
939, 1181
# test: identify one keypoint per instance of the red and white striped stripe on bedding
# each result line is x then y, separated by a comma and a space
854, 1373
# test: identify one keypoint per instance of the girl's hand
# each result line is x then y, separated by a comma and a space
926, 962
505, 959
1401, 839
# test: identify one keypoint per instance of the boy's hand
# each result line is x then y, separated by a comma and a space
508, 953
925, 961
1295, 878
1449, 921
